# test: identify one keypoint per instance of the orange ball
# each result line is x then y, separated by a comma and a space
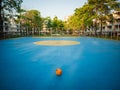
58, 71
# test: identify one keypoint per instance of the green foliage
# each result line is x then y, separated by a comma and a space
81, 18
9, 6
114, 4
32, 18
93, 9
49, 22
57, 24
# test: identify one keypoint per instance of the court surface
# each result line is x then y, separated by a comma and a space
92, 64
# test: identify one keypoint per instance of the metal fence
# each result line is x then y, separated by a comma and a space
7, 31
17, 31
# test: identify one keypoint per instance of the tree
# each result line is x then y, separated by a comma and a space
57, 25
33, 19
6, 8
114, 5
73, 23
49, 22
102, 8
60, 26
81, 19
47, 25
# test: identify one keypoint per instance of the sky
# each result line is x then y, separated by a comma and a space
52, 8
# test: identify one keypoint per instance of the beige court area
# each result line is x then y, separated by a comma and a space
56, 42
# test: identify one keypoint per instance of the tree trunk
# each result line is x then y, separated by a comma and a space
101, 28
1, 21
95, 29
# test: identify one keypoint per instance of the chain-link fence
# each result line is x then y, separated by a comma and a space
10, 31
7, 31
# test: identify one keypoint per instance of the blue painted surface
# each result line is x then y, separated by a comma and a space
94, 64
